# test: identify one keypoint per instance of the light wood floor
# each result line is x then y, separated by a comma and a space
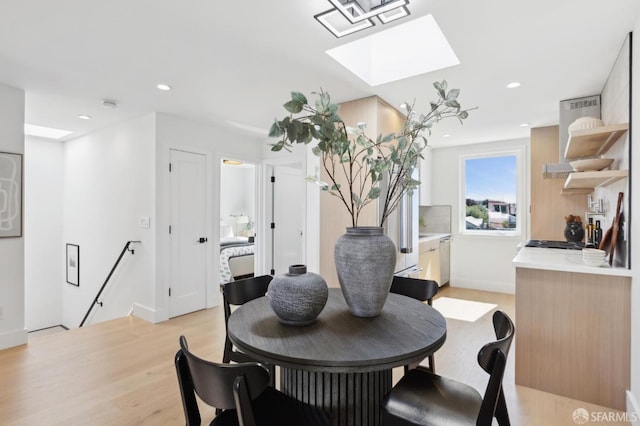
121, 372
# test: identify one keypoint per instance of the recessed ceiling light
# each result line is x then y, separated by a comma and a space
403, 105
84, 117
376, 58
524, 125
45, 132
446, 135
513, 85
164, 87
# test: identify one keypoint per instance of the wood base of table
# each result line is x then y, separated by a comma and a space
351, 398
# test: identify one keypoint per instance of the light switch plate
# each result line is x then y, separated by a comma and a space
144, 221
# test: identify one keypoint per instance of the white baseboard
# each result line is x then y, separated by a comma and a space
146, 313
508, 288
633, 409
13, 338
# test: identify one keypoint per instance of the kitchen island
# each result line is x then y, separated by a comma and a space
572, 326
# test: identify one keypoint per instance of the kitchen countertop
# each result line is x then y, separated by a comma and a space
434, 236
563, 261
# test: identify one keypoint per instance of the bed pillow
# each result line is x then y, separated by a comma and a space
226, 231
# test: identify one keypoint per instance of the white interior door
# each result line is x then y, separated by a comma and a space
188, 248
289, 203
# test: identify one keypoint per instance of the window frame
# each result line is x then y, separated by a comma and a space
517, 232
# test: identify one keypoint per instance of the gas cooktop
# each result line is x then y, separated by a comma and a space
568, 245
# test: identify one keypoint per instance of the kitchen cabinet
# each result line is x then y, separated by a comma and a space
429, 260
445, 260
580, 321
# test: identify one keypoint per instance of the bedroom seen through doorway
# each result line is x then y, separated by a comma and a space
237, 220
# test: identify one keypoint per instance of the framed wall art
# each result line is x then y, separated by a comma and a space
10, 195
73, 264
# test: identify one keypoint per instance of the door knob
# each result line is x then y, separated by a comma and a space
202, 240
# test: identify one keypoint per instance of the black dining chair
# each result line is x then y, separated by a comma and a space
423, 398
241, 392
237, 293
422, 290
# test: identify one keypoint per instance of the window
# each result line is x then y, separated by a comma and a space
490, 194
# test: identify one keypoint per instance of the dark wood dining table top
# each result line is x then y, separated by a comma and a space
405, 332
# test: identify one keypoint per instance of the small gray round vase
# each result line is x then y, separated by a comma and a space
365, 261
298, 297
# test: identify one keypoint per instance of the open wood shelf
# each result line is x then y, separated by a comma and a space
591, 180
592, 142
576, 191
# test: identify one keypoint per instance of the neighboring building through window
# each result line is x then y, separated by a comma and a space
490, 193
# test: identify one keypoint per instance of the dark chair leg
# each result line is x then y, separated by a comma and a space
227, 349
187, 392
502, 415
431, 368
410, 367
272, 375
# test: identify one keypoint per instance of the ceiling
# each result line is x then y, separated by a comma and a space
233, 63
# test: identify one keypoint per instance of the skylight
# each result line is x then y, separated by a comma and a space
406, 50
44, 132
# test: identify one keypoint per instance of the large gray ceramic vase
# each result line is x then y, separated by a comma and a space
365, 261
297, 298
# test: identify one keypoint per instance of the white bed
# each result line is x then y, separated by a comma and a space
236, 255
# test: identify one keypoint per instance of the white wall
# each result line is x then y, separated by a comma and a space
44, 250
635, 225
215, 143
237, 194
615, 109
109, 180
108, 185
477, 261
12, 327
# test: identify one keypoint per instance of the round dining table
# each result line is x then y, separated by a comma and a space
341, 362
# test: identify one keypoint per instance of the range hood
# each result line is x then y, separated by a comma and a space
570, 110
556, 170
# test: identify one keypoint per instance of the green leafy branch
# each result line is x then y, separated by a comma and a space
358, 166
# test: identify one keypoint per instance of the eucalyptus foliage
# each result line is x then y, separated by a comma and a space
356, 164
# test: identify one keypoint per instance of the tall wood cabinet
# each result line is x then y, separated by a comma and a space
380, 117
548, 205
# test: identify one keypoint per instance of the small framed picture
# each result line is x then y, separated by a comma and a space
73, 264
10, 195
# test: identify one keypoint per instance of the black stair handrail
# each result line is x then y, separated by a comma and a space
115, 265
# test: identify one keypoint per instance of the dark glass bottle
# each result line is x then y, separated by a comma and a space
597, 235
590, 243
